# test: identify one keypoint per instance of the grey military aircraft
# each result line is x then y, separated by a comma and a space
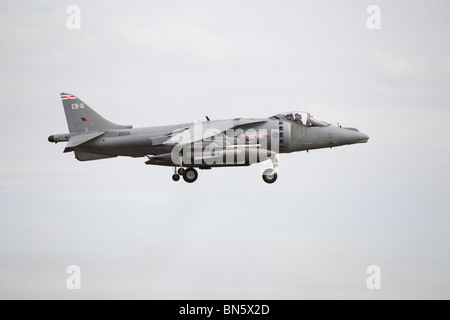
203, 144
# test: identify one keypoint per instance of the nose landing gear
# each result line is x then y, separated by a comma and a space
270, 175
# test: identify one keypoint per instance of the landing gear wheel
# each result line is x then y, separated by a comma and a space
269, 176
175, 177
181, 171
190, 175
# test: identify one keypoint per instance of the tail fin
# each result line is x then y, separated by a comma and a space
81, 118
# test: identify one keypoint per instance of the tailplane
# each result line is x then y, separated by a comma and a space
81, 118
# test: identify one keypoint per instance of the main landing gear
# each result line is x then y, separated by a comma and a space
189, 174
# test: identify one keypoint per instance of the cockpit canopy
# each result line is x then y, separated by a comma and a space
303, 118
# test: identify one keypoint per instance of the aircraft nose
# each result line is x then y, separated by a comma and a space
351, 135
363, 138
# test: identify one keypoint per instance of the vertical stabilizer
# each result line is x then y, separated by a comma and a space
81, 118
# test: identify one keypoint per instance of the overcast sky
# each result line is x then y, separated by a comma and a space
135, 233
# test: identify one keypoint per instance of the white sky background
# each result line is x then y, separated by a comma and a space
332, 213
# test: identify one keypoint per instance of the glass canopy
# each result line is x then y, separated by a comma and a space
304, 118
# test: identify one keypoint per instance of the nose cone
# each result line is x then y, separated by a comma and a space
351, 136
363, 138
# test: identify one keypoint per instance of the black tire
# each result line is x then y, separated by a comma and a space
269, 176
181, 171
190, 175
175, 177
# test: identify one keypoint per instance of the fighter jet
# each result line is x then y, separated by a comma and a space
203, 144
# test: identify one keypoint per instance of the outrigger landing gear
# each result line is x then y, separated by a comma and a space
175, 176
189, 174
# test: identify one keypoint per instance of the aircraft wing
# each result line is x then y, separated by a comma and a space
204, 130
78, 139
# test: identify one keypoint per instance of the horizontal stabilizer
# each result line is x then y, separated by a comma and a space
78, 139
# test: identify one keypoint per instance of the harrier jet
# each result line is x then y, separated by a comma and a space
203, 144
